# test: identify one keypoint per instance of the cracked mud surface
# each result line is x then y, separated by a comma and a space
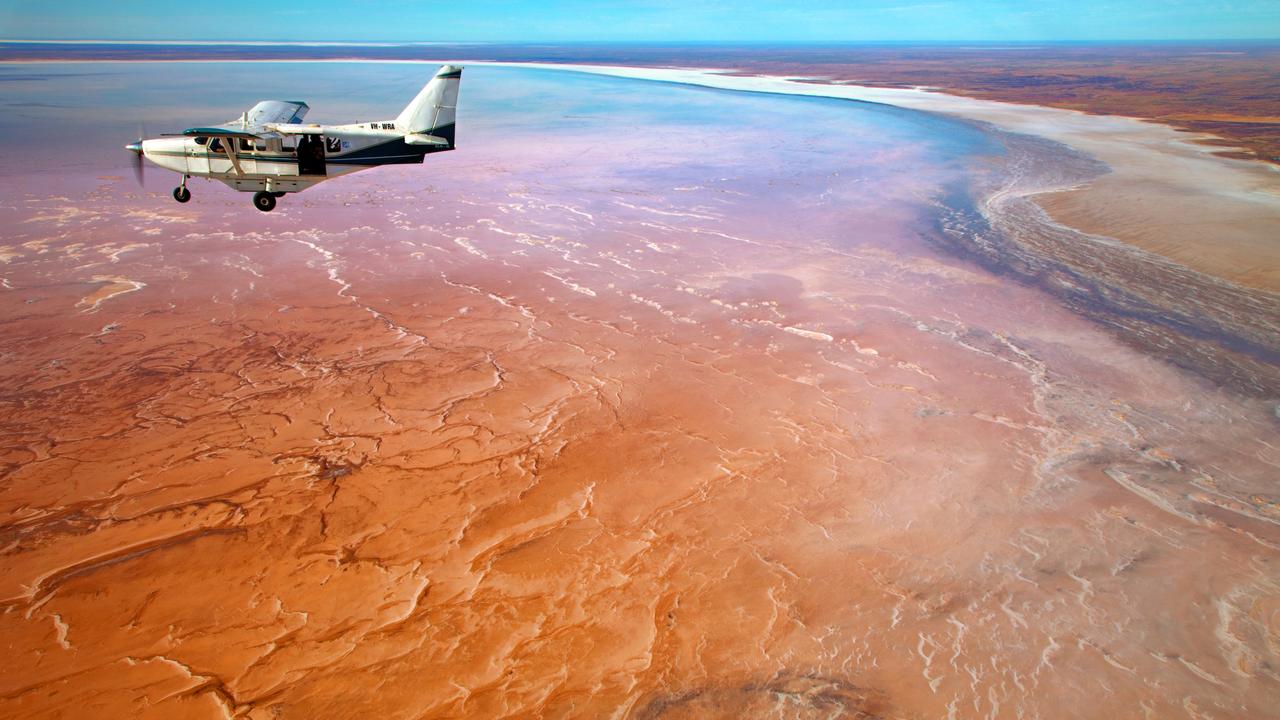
603, 428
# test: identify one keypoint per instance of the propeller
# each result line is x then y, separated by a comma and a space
136, 149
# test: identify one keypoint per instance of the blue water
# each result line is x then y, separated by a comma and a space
79, 115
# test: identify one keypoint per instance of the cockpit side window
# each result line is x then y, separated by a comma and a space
202, 140
215, 145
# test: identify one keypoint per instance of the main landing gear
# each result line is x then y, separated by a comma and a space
265, 201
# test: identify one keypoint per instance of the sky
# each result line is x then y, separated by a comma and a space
643, 20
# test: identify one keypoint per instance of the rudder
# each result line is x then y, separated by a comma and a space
434, 110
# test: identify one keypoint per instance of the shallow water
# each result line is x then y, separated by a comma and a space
648, 401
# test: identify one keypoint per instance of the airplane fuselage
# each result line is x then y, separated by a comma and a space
286, 164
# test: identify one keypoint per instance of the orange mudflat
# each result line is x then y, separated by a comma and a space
581, 422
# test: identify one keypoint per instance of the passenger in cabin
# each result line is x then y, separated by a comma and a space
311, 155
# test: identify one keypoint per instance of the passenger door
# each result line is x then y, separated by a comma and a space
311, 155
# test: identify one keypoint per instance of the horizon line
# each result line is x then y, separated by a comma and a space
429, 43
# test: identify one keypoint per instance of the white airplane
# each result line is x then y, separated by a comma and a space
269, 151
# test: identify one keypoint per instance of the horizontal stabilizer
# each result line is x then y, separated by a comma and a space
274, 111
421, 139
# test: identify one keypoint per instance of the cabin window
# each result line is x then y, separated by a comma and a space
245, 145
202, 140
289, 143
215, 145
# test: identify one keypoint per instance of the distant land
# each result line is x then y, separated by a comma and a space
1230, 89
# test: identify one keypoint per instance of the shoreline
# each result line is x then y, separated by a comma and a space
1164, 193
1169, 191
1125, 248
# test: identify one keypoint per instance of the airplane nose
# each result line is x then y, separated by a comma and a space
135, 147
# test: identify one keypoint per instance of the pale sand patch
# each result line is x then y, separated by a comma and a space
112, 286
811, 334
1165, 193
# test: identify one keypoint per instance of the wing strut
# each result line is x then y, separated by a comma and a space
229, 144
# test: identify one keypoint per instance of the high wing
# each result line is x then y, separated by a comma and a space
219, 131
252, 124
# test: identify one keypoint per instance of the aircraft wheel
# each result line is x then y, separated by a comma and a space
278, 194
264, 201
181, 194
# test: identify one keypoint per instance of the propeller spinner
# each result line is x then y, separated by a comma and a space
136, 149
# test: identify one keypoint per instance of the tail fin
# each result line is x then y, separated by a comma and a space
434, 110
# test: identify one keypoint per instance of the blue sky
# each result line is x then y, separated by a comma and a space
643, 20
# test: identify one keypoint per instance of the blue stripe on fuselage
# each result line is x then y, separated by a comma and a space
392, 152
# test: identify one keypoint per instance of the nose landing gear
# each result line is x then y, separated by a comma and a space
181, 193
265, 201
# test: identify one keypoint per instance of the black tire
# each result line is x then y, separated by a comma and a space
278, 194
264, 201
181, 194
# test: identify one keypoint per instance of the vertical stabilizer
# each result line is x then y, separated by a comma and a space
434, 110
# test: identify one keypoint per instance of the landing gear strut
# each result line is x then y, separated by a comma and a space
264, 201
181, 193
